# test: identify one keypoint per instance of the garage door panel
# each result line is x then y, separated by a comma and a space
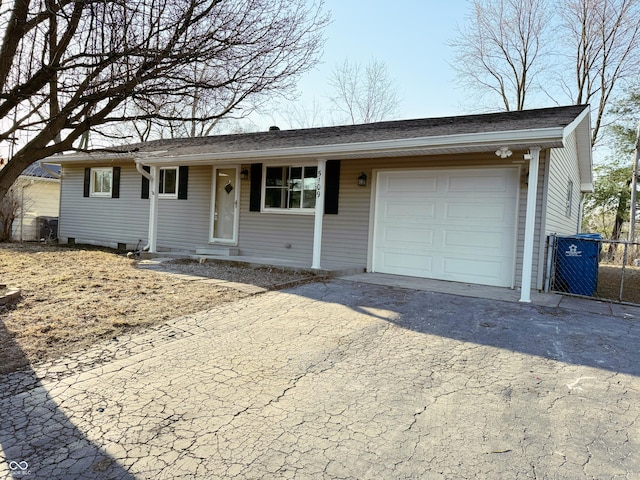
479, 212
485, 183
486, 272
403, 237
470, 242
447, 224
411, 263
420, 184
404, 209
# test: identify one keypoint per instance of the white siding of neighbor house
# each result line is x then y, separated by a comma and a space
41, 199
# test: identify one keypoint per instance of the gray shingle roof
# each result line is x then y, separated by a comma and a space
403, 129
35, 170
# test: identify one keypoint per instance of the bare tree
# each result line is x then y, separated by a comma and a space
501, 48
603, 39
68, 67
364, 93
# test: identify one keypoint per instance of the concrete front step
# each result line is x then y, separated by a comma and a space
218, 251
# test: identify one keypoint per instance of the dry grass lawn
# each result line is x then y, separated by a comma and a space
72, 297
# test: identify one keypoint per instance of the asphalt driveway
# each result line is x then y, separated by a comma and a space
345, 381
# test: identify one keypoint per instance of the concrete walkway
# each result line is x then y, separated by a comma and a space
345, 380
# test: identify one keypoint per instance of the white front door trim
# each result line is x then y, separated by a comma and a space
235, 182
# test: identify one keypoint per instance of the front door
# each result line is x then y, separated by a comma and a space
224, 225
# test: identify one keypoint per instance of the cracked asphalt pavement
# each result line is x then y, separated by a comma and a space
342, 380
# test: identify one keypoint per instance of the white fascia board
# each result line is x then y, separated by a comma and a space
96, 157
582, 126
537, 137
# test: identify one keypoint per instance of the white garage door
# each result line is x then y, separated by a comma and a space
447, 224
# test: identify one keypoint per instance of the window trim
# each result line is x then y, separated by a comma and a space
168, 195
92, 185
283, 210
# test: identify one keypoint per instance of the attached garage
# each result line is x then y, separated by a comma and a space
457, 224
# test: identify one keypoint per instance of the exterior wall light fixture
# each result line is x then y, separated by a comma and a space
362, 180
504, 152
244, 174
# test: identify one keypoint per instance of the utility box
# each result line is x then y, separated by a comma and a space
576, 264
47, 228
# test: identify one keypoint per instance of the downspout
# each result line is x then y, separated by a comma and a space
583, 200
153, 207
49, 171
24, 186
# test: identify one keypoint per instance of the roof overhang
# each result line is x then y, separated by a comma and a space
435, 145
582, 128
575, 136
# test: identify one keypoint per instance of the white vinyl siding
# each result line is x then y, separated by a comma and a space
273, 235
103, 220
563, 168
185, 224
182, 224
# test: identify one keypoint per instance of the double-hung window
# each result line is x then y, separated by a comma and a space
101, 182
292, 189
168, 187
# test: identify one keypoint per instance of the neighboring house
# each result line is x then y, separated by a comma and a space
467, 198
38, 190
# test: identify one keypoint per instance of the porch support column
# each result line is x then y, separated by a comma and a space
319, 213
530, 225
153, 210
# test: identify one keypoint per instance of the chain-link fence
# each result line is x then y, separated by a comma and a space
587, 265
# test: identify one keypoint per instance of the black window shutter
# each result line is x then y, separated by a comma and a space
144, 191
115, 187
331, 187
87, 181
183, 181
256, 187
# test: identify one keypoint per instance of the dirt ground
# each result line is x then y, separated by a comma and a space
73, 297
609, 281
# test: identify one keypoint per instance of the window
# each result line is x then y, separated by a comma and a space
101, 182
168, 182
290, 188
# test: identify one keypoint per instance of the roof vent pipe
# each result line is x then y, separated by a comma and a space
273, 128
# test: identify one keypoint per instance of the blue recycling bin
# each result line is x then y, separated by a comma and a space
577, 260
